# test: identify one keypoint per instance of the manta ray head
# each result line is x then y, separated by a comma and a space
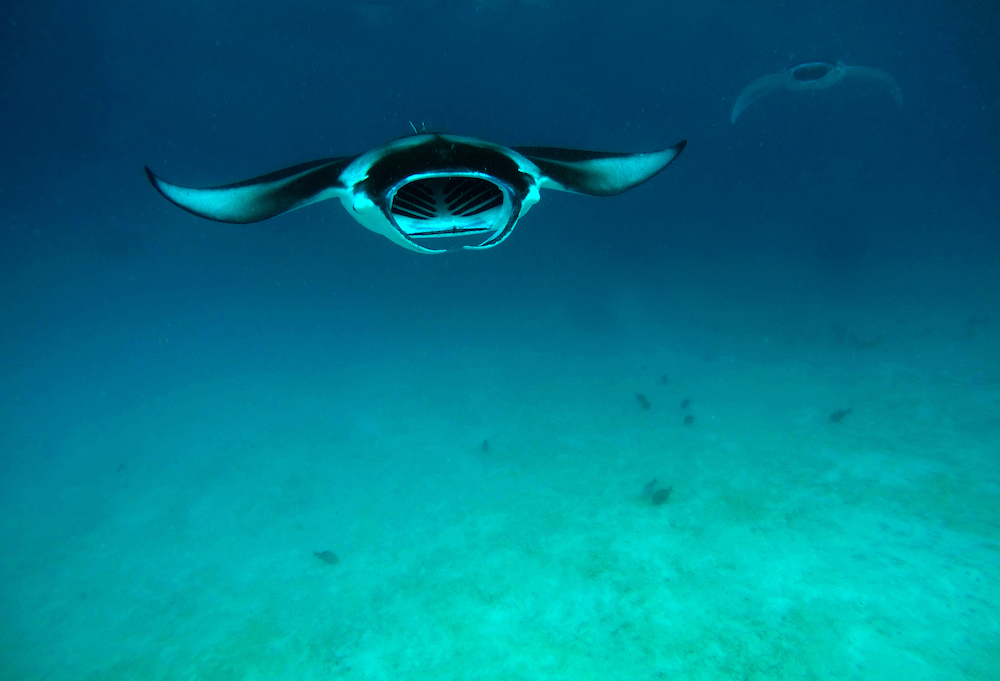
809, 73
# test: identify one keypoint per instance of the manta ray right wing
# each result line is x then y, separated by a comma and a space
865, 73
262, 197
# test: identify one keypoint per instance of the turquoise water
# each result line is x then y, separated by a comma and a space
166, 528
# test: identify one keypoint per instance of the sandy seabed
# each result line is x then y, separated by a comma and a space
175, 540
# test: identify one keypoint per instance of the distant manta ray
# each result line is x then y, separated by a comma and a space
812, 76
427, 186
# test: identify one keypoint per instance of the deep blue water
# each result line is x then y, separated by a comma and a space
835, 181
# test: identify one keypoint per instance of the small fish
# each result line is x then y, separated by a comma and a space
327, 557
643, 402
647, 491
689, 419
685, 403
838, 416
486, 445
661, 496
664, 379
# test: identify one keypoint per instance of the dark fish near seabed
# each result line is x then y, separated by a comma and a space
327, 557
647, 491
838, 416
661, 496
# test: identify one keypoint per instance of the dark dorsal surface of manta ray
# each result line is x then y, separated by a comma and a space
427, 186
812, 76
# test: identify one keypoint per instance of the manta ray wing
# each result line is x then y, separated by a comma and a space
754, 91
865, 73
262, 197
598, 173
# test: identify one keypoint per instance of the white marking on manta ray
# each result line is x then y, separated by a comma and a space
427, 186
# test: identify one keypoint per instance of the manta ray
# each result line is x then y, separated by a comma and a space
812, 76
427, 187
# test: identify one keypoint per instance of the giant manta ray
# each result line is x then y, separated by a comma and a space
816, 75
427, 186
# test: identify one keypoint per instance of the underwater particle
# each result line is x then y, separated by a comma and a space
689, 419
327, 557
661, 496
486, 445
647, 491
838, 416
685, 403
643, 402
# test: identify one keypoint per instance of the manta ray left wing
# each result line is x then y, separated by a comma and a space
754, 91
598, 173
427, 187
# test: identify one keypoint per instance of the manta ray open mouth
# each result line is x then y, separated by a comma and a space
448, 205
